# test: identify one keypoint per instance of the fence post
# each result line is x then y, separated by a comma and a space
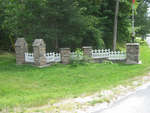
21, 47
65, 55
87, 51
132, 52
39, 52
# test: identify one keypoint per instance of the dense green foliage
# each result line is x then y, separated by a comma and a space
142, 22
29, 86
67, 23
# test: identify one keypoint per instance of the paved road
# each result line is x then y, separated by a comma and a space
138, 102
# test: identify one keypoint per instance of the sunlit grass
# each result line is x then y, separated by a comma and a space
30, 86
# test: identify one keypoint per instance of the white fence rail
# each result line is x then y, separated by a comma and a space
50, 57
117, 55
53, 57
29, 57
56, 57
101, 53
111, 55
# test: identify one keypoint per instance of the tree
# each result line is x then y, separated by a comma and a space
115, 25
90, 10
68, 23
142, 22
58, 22
107, 15
5, 42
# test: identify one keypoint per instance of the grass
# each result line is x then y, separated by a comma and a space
100, 101
28, 86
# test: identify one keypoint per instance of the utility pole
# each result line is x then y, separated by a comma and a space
116, 25
133, 21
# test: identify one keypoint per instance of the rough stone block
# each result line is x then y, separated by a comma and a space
87, 51
21, 47
65, 55
39, 53
132, 53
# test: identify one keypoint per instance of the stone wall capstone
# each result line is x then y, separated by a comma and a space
21, 47
65, 55
132, 53
87, 51
39, 52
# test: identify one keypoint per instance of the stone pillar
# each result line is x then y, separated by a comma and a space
65, 55
132, 51
39, 52
21, 47
87, 51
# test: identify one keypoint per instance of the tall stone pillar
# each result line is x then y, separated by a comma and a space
87, 51
132, 51
21, 47
65, 55
39, 52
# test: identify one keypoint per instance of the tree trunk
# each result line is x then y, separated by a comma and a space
115, 25
56, 43
56, 40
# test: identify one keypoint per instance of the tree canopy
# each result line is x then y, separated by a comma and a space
69, 23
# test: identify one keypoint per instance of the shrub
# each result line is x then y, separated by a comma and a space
77, 57
141, 42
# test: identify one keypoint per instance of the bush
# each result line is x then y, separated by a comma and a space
77, 57
141, 42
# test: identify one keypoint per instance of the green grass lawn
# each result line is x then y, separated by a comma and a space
30, 86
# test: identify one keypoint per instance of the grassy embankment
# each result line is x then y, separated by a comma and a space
30, 86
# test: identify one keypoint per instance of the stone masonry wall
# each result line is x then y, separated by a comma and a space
39, 53
87, 51
65, 55
132, 53
21, 47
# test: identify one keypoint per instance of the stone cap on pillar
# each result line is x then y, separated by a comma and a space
87, 47
20, 42
132, 44
38, 42
64, 48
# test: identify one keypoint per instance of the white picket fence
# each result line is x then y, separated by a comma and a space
56, 57
97, 53
50, 57
111, 55
29, 57
103, 53
117, 55
53, 57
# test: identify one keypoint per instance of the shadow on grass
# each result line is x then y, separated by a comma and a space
127, 65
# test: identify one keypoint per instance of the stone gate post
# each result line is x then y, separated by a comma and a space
21, 47
39, 52
87, 51
65, 55
132, 52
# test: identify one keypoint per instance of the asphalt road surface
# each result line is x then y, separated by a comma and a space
138, 102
